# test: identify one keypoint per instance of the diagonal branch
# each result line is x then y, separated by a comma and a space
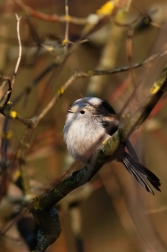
49, 18
46, 203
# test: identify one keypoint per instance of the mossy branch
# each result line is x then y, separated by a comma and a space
43, 206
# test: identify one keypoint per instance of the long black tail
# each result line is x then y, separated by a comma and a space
141, 173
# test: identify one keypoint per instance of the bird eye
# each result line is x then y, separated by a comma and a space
82, 112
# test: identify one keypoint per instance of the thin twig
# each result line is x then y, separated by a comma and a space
90, 73
34, 82
11, 81
20, 46
87, 74
20, 52
49, 18
66, 39
58, 94
129, 53
127, 7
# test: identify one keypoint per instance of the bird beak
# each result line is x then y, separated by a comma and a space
70, 111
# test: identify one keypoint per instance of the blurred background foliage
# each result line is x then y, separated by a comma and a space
112, 212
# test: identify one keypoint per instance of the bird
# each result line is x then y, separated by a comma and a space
89, 122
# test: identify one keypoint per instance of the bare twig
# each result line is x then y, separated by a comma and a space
20, 52
128, 5
66, 39
58, 94
27, 90
20, 46
75, 76
129, 53
87, 74
90, 73
11, 81
49, 18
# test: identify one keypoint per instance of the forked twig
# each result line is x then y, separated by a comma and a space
5, 110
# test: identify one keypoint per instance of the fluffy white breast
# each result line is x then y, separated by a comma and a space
83, 138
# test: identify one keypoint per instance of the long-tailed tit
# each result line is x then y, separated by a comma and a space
89, 122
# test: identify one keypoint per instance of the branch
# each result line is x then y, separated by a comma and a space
20, 46
8, 111
50, 18
5, 104
58, 94
87, 74
44, 204
66, 38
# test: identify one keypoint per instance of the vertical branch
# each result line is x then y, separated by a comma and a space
11, 80
66, 39
19, 40
5, 105
128, 4
20, 51
129, 54
109, 54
